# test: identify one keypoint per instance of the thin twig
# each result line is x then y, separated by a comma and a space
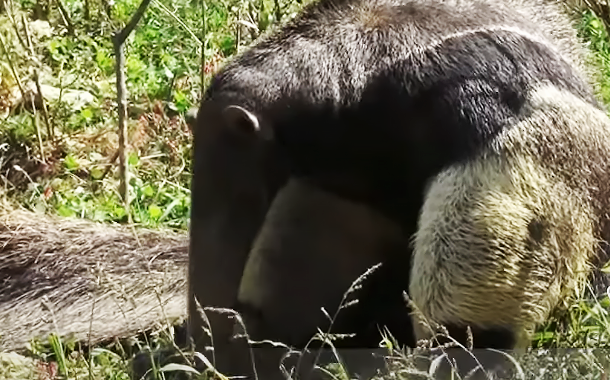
36, 75
178, 20
65, 17
10, 63
37, 127
110, 163
28, 38
87, 11
14, 24
43, 105
118, 39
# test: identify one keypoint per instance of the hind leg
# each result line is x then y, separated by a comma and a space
500, 241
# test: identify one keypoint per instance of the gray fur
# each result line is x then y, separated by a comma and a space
85, 280
330, 52
367, 100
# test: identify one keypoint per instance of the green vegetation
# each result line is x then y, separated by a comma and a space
163, 61
64, 163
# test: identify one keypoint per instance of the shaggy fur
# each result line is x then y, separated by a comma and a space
367, 100
86, 280
508, 237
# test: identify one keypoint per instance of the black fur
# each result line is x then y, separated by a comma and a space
379, 139
362, 103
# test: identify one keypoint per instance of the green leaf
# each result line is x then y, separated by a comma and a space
595, 24
148, 191
99, 351
70, 162
133, 159
100, 215
154, 211
86, 113
96, 173
65, 211
119, 211
169, 208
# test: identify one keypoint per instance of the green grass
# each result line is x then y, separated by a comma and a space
74, 175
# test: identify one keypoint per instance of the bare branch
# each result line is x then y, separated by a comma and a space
118, 39
126, 31
65, 17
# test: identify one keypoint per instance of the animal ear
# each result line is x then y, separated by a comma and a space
241, 120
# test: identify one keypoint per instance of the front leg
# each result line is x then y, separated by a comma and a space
235, 177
